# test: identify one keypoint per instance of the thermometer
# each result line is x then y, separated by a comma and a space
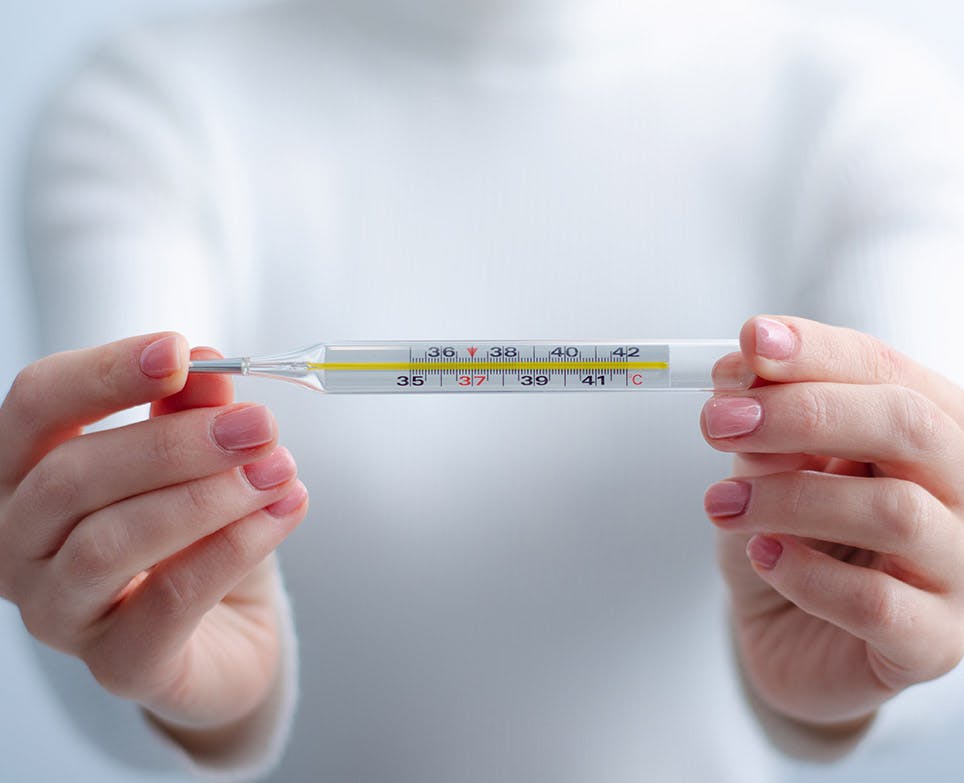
525, 366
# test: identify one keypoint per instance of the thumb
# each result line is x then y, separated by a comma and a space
200, 391
55, 397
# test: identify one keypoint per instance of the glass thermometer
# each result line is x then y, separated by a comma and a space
467, 367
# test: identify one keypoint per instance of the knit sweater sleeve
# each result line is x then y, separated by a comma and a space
133, 222
877, 244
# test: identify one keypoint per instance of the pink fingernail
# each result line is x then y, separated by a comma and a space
271, 471
290, 502
774, 340
244, 428
764, 551
727, 498
733, 373
161, 358
729, 417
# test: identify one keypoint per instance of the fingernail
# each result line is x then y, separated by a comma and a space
271, 471
764, 551
733, 373
289, 502
728, 417
161, 358
244, 428
774, 340
727, 498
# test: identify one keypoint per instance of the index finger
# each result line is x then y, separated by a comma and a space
52, 399
786, 349
200, 391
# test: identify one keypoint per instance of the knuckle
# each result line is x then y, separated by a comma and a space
881, 609
26, 381
810, 587
110, 670
948, 658
34, 620
54, 484
796, 495
172, 594
812, 408
917, 422
91, 554
107, 374
884, 363
25, 395
44, 618
905, 509
238, 548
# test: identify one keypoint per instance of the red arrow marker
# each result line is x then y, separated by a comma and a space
472, 352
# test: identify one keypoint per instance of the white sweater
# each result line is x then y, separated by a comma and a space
502, 587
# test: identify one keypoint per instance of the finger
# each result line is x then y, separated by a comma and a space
751, 597
897, 518
751, 464
157, 618
902, 432
203, 390
96, 470
907, 627
781, 348
52, 399
733, 371
110, 547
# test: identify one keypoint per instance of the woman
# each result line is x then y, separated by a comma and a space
501, 587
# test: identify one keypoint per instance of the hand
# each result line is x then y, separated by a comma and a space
842, 535
142, 550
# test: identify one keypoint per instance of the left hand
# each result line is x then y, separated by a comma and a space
842, 535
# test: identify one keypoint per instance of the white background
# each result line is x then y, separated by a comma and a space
40, 42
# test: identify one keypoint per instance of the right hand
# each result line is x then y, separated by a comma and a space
144, 550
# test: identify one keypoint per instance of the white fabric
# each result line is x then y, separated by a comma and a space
502, 587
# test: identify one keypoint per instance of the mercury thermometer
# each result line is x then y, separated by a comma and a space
467, 367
